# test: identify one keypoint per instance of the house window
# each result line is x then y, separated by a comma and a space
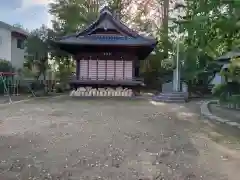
20, 43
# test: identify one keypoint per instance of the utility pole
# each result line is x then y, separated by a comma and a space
178, 79
178, 6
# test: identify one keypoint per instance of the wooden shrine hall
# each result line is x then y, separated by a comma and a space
107, 53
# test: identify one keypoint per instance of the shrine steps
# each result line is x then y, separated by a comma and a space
171, 97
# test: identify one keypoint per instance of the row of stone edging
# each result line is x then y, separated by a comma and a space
30, 99
231, 106
206, 113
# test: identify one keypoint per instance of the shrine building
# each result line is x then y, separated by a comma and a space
107, 54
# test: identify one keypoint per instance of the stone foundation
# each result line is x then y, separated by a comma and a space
89, 91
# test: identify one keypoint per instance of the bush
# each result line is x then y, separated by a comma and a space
37, 86
6, 66
219, 90
60, 87
227, 95
235, 99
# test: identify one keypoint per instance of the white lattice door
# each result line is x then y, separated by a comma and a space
92, 69
83, 69
128, 71
101, 69
110, 70
119, 70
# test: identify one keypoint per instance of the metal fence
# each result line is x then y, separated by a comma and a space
16, 87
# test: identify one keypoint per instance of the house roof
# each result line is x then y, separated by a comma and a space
228, 56
106, 21
13, 29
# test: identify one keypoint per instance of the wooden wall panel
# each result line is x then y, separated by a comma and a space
83, 69
105, 70
128, 70
119, 70
101, 69
110, 70
93, 69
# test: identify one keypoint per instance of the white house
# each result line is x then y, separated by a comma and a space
218, 79
224, 61
12, 47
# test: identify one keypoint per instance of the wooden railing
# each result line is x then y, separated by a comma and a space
74, 78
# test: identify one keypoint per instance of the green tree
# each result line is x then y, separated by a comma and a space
72, 16
69, 17
206, 35
38, 49
6, 66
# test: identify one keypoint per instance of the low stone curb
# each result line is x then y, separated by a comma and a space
30, 99
206, 113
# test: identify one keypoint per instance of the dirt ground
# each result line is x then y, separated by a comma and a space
72, 139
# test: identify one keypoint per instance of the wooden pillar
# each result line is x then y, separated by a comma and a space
88, 68
134, 66
105, 69
97, 68
115, 69
124, 65
77, 68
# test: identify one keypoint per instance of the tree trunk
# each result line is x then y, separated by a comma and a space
189, 84
165, 26
44, 75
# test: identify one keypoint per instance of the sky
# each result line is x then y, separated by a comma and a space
29, 13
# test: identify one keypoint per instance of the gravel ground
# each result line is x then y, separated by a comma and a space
6, 100
72, 139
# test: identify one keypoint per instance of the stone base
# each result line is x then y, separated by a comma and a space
102, 92
171, 97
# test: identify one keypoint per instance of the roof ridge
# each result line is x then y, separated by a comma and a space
105, 9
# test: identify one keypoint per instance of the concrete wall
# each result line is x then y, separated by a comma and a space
218, 79
8, 45
17, 54
172, 86
169, 87
5, 44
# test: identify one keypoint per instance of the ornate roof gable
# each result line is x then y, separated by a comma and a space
107, 22
107, 30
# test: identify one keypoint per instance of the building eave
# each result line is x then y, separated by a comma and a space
229, 55
106, 40
99, 43
20, 31
13, 29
